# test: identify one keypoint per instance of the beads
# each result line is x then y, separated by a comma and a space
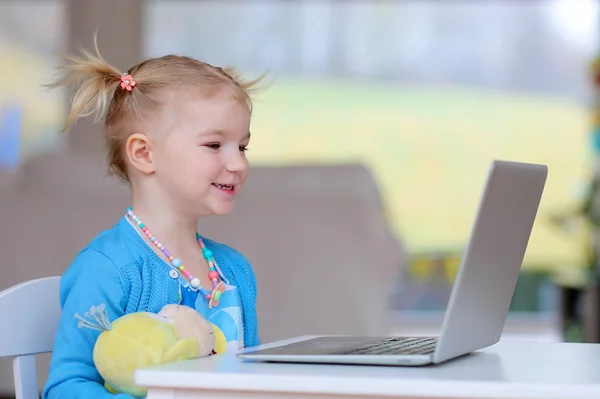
213, 274
207, 253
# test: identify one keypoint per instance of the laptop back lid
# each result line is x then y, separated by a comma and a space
492, 260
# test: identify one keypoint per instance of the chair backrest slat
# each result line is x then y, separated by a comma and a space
25, 373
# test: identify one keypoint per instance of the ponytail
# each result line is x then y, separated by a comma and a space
94, 82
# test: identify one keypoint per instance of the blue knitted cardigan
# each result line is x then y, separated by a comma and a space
120, 271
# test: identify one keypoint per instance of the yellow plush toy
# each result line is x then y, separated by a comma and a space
145, 339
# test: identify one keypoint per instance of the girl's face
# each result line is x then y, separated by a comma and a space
200, 162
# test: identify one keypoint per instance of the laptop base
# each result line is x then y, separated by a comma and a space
385, 351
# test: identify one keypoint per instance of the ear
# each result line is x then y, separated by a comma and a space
139, 152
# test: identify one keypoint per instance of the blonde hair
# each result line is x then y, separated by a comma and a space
97, 90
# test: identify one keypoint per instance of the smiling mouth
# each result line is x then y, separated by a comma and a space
226, 187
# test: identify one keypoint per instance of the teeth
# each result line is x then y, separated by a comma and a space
224, 186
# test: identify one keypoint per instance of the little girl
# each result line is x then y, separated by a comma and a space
177, 132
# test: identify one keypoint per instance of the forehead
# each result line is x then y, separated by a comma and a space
207, 112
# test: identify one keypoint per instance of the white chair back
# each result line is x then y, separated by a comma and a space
30, 313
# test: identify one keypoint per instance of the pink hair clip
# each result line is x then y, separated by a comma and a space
127, 82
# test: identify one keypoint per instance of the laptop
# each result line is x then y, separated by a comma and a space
481, 295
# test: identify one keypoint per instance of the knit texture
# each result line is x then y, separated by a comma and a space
118, 269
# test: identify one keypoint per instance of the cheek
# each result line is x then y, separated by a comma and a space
200, 168
170, 158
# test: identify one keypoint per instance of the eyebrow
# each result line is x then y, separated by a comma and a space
220, 132
215, 132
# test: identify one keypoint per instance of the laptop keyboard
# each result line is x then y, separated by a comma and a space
396, 346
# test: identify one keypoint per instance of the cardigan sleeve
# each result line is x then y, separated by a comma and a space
244, 270
92, 280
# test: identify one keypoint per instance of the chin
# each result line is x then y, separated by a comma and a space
224, 210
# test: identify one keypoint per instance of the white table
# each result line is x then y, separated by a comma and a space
507, 370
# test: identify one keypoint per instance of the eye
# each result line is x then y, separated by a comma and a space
243, 148
214, 146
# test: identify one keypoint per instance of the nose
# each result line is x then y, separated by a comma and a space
236, 162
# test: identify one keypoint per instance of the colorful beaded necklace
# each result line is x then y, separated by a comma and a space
218, 286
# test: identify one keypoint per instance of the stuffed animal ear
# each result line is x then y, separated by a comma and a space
98, 319
183, 349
